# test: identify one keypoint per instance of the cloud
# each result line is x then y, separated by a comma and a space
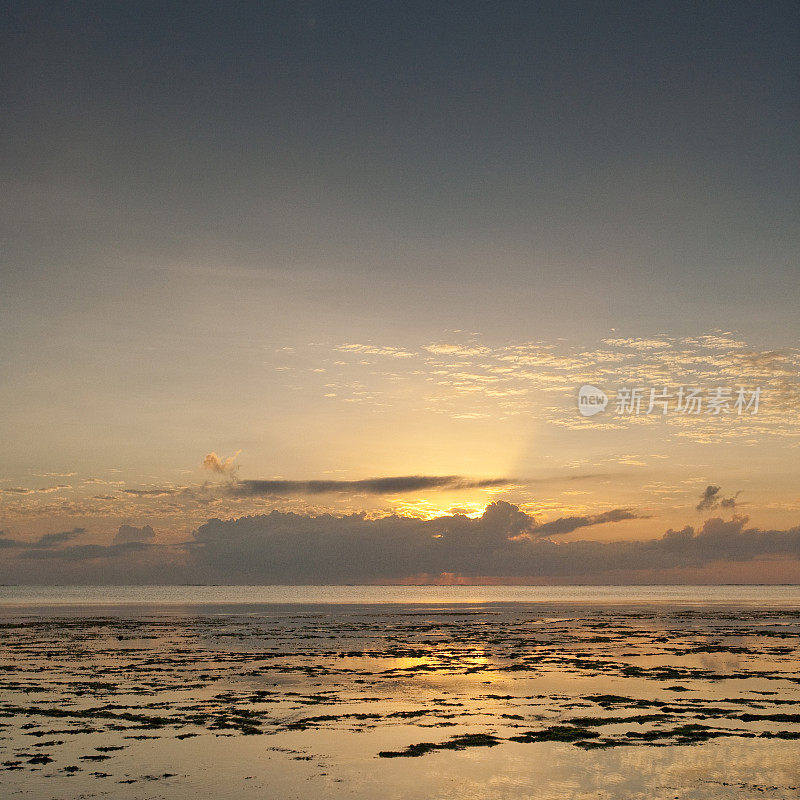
85, 552
223, 466
238, 488
160, 492
366, 349
538, 379
129, 533
20, 490
57, 474
569, 524
281, 547
711, 498
299, 548
503, 543
46, 541
129, 543
395, 485
456, 349
53, 539
5, 542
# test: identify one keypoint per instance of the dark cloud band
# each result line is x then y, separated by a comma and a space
395, 485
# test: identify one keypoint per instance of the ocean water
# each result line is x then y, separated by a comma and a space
357, 692
787, 596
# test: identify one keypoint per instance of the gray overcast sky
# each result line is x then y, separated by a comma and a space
609, 155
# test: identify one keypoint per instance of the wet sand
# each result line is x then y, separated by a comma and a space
510, 700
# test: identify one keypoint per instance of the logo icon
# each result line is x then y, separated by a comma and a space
591, 400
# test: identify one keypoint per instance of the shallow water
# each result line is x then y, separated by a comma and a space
490, 699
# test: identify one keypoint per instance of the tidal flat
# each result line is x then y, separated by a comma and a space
500, 700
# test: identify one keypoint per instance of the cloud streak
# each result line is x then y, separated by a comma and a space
393, 485
570, 524
48, 540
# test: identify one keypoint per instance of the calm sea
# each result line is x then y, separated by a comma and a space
768, 596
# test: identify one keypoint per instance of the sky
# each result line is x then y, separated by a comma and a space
289, 286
